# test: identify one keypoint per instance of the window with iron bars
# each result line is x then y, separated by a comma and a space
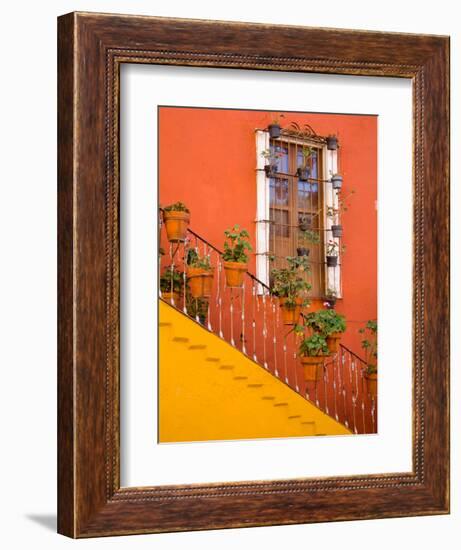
295, 210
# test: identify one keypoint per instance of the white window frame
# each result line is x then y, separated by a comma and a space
333, 277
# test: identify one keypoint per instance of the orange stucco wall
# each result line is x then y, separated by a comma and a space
207, 160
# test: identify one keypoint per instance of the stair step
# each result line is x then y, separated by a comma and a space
197, 346
280, 404
227, 367
240, 377
164, 324
182, 339
293, 416
212, 359
268, 397
255, 385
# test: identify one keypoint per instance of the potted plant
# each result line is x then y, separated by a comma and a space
336, 181
235, 255
290, 286
335, 213
312, 351
330, 297
329, 324
370, 346
305, 222
337, 231
176, 217
310, 236
333, 253
332, 142
371, 377
171, 282
199, 274
274, 128
303, 172
272, 158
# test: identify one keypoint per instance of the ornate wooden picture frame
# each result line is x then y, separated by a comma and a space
92, 48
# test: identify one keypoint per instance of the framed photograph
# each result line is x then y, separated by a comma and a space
253, 275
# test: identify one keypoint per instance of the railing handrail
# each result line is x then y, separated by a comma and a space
354, 354
255, 279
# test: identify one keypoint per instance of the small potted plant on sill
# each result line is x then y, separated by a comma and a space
336, 181
199, 274
332, 142
176, 217
333, 250
290, 286
312, 351
275, 128
309, 236
272, 158
370, 346
235, 256
171, 282
329, 324
330, 297
304, 171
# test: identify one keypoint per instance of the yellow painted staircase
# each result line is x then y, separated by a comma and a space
208, 390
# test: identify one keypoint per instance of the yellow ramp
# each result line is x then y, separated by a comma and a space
208, 390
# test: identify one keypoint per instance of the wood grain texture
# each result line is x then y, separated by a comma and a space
91, 49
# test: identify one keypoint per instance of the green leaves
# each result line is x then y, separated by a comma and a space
289, 282
322, 323
272, 155
171, 279
310, 236
326, 322
333, 248
236, 245
195, 260
370, 345
176, 207
313, 346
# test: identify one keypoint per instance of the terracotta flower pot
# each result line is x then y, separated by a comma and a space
200, 281
333, 341
235, 273
176, 225
313, 367
208, 282
290, 313
171, 298
372, 384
